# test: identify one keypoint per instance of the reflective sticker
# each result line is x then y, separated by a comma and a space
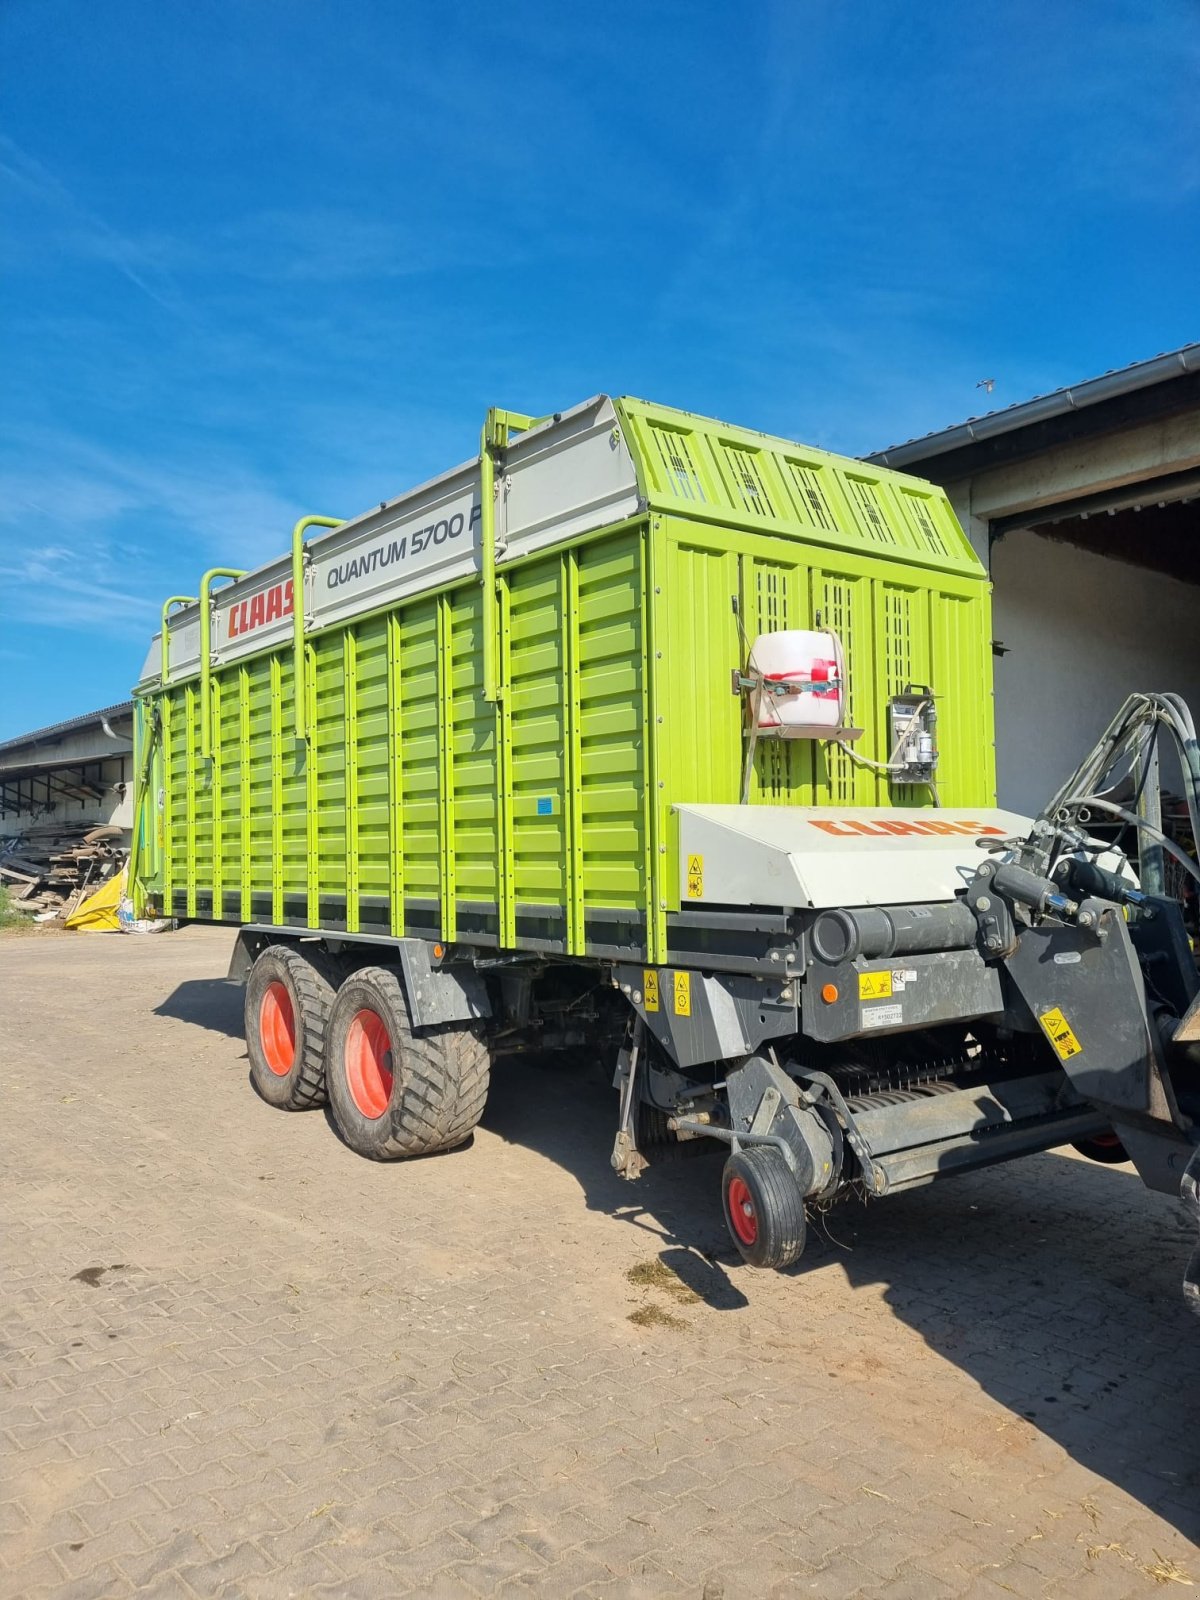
874, 985
695, 878
1058, 1030
650, 985
683, 994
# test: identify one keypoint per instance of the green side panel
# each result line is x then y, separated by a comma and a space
291, 831
698, 637
842, 601
395, 774
200, 810
258, 826
171, 708
723, 589
614, 834
708, 471
473, 772
188, 766
576, 737
327, 753
960, 635
537, 731
370, 842
231, 829
419, 760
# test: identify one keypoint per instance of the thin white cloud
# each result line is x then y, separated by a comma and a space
92, 539
70, 484
93, 235
63, 586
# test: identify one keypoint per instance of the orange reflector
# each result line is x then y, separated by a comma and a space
829, 993
439, 950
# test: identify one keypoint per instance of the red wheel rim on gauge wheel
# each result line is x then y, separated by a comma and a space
741, 1211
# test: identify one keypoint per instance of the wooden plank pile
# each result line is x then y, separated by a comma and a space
50, 868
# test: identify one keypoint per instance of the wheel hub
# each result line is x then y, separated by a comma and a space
741, 1211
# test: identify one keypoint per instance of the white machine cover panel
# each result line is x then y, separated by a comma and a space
796, 856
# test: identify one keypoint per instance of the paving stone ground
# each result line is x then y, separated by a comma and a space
237, 1360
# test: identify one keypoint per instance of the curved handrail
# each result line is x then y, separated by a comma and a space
172, 600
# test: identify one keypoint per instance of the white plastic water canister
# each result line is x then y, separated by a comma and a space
808, 664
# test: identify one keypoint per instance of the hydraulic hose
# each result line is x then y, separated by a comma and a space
1131, 817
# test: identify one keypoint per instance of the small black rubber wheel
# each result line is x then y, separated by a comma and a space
764, 1208
395, 1091
1105, 1148
289, 996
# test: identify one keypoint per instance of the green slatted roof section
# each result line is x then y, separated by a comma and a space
696, 467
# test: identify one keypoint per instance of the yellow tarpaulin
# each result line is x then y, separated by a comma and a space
98, 913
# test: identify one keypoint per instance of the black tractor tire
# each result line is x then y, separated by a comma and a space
396, 1091
289, 997
764, 1209
1105, 1148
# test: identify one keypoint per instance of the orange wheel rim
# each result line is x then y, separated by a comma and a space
277, 1029
368, 1062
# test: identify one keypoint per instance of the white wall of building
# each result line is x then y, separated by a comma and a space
106, 742
113, 807
1082, 632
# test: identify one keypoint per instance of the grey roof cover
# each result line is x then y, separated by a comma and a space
72, 725
1122, 380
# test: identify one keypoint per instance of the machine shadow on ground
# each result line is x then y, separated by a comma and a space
1054, 1283
212, 1003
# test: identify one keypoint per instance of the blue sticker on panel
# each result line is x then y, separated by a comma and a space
545, 806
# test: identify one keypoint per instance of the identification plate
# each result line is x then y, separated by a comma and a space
883, 1017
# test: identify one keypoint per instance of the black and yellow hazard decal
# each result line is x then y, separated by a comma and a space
874, 985
695, 877
650, 988
1060, 1034
682, 994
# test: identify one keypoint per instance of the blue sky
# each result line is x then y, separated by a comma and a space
264, 258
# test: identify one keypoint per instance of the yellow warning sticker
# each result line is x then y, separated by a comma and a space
650, 988
874, 985
683, 994
1060, 1034
695, 878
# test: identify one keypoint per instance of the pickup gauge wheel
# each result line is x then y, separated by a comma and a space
1105, 1148
764, 1208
